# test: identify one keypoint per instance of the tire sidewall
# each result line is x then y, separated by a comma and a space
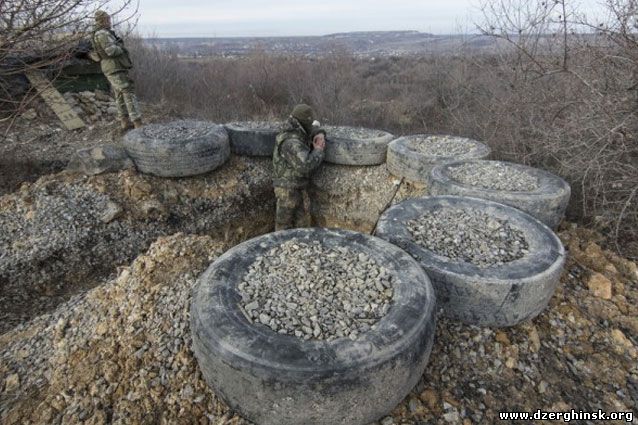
547, 203
251, 142
178, 157
348, 151
403, 161
503, 295
286, 365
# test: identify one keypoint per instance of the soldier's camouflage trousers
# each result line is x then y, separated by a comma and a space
125, 98
290, 210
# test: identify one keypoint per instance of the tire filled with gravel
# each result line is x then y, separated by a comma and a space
469, 236
356, 145
490, 264
413, 157
179, 148
253, 138
345, 292
313, 326
535, 191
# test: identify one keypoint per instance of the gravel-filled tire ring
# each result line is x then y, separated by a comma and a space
547, 203
178, 157
281, 379
403, 161
495, 296
251, 142
346, 151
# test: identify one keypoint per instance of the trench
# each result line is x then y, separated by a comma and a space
14, 171
233, 204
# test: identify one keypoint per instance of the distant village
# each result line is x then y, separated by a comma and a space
361, 44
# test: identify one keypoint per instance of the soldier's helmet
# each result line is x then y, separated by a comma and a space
305, 115
102, 19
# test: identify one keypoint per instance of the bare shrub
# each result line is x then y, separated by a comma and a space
571, 109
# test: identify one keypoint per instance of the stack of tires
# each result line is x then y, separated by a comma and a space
344, 146
356, 145
275, 378
413, 157
531, 200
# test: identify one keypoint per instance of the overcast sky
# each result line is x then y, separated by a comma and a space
201, 18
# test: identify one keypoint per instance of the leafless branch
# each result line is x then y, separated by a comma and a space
43, 34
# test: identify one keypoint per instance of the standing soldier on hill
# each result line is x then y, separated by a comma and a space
299, 150
115, 62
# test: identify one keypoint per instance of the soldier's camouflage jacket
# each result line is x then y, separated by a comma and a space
113, 55
294, 159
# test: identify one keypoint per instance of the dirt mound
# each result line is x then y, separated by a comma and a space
67, 232
121, 353
354, 197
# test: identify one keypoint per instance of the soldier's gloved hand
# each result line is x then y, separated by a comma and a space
319, 141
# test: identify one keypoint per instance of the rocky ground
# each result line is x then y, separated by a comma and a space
67, 232
118, 350
121, 353
36, 144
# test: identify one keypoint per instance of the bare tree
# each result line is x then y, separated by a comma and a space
568, 81
36, 34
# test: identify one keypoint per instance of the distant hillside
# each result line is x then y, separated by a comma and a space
372, 43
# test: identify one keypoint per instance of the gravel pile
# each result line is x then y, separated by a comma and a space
353, 133
310, 291
441, 145
182, 129
55, 233
469, 236
494, 176
257, 125
66, 233
68, 210
73, 360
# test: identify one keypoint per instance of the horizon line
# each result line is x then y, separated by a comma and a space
214, 35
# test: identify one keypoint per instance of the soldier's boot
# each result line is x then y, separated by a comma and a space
138, 123
125, 126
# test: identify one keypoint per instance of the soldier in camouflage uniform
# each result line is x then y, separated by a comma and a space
299, 150
115, 62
